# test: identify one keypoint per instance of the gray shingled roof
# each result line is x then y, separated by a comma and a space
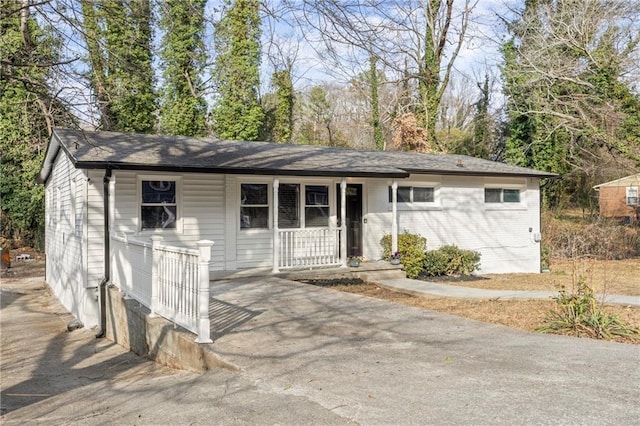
101, 150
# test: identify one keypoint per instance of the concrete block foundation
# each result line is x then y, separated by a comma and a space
129, 325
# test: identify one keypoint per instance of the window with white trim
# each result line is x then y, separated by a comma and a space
501, 195
158, 204
413, 194
316, 206
254, 206
632, 195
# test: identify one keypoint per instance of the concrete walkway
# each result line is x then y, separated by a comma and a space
425, 288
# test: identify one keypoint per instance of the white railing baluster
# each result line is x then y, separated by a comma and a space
172, 282
308, 247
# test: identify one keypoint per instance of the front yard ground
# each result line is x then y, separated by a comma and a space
603, 276
608, 277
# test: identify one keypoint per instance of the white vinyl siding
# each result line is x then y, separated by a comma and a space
201, 207
95, 228
504, 234
254, 247
65, 240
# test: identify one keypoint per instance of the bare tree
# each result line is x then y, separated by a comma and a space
573, 60
419, 40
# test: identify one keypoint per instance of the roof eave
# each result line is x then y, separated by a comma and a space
236, 171
464, 172
53, 149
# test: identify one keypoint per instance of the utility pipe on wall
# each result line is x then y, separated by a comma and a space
102, 287
394, 216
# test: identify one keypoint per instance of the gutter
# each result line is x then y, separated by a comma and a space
102, 287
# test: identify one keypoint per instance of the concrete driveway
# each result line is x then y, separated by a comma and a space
310, 355
378, 363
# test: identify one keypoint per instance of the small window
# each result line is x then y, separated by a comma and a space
158, 209
632, 195
413, 194
499, 195
423, 195
288, 205
316, 209
254, 206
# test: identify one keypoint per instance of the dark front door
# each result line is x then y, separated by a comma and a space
354, 218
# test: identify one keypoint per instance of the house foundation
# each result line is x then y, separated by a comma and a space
130, 325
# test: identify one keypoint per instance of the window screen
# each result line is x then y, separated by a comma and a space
423, 195
158, 209
500, 195
254, 206
289, 205
316, 210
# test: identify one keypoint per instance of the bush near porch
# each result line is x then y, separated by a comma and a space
451, 260
412, 249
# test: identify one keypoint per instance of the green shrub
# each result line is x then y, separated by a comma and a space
545, 258
451, 260
412, 249
580, 314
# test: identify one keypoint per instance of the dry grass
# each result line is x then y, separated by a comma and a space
525, 315
603, 276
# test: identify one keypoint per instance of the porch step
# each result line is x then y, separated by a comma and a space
367, 271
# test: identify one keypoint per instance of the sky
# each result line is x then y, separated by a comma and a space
311, 64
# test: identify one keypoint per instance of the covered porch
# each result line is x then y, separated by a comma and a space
321, 247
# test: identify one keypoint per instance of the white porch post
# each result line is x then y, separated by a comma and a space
276, 233
394, 216
343, 222
204, 324
155, 274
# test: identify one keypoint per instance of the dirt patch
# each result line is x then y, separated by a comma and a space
525, 315
25, 263
604, 276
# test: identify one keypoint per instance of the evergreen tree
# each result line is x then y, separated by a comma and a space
28, 111
118, 36
183, 110
375, 106
567, 101
283, 108
238, 114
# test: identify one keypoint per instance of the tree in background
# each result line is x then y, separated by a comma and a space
419, 39
28, 112
374, 84
238, 114
183, 110
568, 103
279, 107
118, 35
480, 142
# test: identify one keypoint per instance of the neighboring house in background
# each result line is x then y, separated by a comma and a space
620, 198
267, 205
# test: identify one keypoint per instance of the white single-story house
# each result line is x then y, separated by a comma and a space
268, 205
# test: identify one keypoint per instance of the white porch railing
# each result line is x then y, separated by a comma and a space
308, 247
171, 281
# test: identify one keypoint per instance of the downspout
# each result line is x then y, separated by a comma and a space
102, 287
